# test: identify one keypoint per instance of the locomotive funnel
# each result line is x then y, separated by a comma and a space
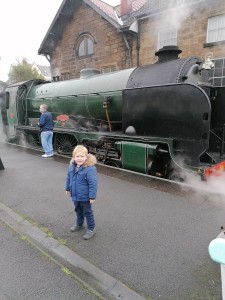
167, 53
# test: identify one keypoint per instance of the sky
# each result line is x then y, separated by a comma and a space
23, 26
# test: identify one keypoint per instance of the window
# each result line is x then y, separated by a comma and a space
65, 76
84, 46
216, 29
108, 69
217, 73
167, 37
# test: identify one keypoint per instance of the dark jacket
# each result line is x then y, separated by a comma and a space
46, 122
82, 183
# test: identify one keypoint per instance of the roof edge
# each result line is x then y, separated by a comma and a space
104, 15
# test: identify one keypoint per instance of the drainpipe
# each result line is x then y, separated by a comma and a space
138, 44
135, 29
126, 43
128, 47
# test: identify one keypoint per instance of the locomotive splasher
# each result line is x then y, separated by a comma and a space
153, 119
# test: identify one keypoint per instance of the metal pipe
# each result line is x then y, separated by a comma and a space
138, 45
222, 141
128, 47
126, 42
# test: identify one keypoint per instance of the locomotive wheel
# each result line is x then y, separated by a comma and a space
113, 163
65, 143
33, 139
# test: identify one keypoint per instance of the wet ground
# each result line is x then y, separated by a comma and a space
152, 235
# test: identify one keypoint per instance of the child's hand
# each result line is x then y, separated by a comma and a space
67, 192
92, 201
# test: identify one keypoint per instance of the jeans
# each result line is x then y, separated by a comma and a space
84, 210
46, 141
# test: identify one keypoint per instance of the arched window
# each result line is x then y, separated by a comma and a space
84, 46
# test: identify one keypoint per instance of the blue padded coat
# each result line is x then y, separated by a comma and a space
82, 183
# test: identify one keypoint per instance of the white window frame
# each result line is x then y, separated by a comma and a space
218, 80
167, 37
84, 46
216, 29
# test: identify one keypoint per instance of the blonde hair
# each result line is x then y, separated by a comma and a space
44, 106
79, 148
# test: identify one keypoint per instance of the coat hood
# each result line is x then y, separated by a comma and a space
91, 160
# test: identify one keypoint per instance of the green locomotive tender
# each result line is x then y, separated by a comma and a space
157, 120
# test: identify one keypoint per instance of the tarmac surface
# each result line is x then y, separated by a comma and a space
27, 273
151, 240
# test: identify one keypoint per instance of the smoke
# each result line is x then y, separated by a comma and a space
3, 131
196, 182
176, 17
213, 185
2, 136
22, 140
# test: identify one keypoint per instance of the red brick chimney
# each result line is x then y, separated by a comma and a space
125, 7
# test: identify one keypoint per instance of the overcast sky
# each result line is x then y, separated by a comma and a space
23, 25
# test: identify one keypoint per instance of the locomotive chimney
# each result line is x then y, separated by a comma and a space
125, 7
167, 53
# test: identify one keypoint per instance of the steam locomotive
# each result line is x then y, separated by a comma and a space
157, 119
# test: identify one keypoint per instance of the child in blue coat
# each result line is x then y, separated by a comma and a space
81, 185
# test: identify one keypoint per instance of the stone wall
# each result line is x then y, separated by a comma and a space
110, 47
191, 21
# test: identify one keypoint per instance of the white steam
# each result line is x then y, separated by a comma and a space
194, 180
213, 184
175, 17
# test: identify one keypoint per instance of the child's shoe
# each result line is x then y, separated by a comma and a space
89, 234
76, 228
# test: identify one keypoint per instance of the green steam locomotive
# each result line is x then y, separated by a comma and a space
159, 119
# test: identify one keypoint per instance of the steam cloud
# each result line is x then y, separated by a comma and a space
212, 185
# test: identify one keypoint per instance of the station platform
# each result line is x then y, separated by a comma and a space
149, 243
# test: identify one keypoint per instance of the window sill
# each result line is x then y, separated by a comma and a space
213, 44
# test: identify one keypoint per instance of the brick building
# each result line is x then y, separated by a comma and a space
93, 34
